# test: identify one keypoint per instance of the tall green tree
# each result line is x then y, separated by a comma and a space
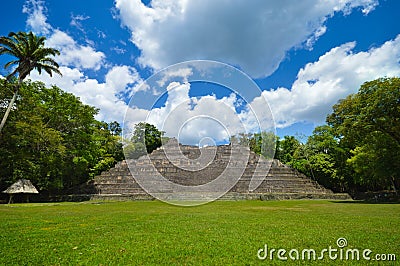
54, 139
326, 159
263, 143
286, 149
368, 123
30, 53
145, 138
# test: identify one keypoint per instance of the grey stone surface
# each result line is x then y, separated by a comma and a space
281, 182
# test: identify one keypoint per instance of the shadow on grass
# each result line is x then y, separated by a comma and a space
374, 197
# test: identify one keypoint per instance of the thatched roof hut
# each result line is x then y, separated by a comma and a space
22, 186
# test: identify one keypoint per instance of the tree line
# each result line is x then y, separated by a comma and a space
55, 141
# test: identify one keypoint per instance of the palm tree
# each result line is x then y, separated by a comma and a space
30, 54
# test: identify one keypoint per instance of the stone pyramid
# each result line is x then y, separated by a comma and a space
179, 164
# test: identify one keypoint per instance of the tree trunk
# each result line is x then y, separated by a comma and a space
394, 184
10, 105
11, 198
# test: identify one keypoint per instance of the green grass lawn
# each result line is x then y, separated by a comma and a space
220, 233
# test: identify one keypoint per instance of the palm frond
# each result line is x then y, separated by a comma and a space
18, 42
9, 47
11, 63
49, 61
4, 50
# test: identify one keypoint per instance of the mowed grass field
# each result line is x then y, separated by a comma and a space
219, 233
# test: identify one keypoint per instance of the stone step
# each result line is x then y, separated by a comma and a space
127, 191
231, 196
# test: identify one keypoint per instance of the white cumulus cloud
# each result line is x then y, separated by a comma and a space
335, 75
125, 79
73, 54
193, 119
37, 19
254, 35
100, 95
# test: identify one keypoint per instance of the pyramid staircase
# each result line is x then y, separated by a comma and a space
176, 163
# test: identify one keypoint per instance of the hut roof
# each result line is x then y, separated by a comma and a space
21, 186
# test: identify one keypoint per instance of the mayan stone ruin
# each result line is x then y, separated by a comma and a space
280, 182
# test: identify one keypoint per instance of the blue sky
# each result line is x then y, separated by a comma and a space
303, 55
